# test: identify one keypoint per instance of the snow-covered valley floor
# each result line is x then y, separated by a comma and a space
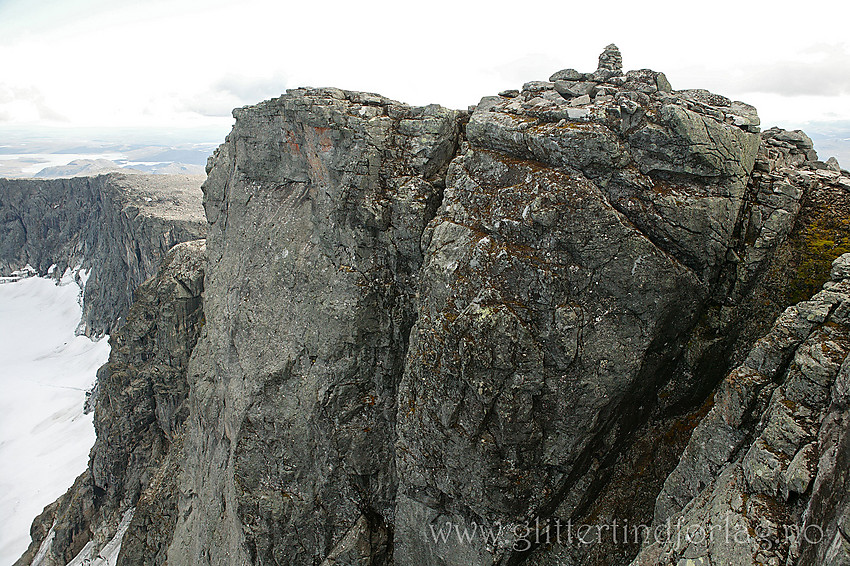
45, 371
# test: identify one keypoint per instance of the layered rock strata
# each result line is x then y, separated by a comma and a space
118, 226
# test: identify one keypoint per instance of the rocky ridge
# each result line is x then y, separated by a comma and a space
509, 318
117, 226
128, 491
765, 471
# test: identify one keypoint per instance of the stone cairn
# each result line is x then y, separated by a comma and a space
611, 60
572, 95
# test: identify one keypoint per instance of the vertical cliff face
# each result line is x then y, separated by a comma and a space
316, 202
118, 226
578, 245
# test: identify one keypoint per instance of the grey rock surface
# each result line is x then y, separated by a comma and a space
778, 424
569, 263
317, 202
610, 59
119, 226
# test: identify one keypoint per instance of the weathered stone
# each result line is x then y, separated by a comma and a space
290, 438
611, 60
777, 462
662, 84
795, 137
703, 96
537, 86
582, 100
643, 80
567, 75
684, 141
744, 115
799, 474
569, 89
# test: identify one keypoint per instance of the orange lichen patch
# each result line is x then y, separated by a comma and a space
292, 142
322, 138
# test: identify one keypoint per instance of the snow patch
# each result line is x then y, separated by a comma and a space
108, 555
45, 371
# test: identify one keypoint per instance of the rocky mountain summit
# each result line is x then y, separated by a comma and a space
422, 336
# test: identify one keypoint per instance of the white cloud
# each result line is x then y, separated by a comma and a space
26, 104
183, 62
820, 70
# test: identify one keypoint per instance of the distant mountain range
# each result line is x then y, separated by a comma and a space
89, 167
56, 153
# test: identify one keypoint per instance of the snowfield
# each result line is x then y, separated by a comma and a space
45, 371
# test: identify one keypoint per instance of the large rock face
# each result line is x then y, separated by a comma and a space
573, 283
119, 226
431, 336
316, 202
577, 247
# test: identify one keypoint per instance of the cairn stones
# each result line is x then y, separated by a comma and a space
611, 60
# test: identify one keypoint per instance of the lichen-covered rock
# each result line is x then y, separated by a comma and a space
542, 309
142, 391
565, 270
751, 461
676, 166
119, 226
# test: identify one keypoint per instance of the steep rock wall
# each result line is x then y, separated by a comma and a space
316, 202
578, 246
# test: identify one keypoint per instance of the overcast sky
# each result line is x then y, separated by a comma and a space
187, 63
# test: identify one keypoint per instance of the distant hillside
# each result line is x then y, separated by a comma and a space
89, 167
